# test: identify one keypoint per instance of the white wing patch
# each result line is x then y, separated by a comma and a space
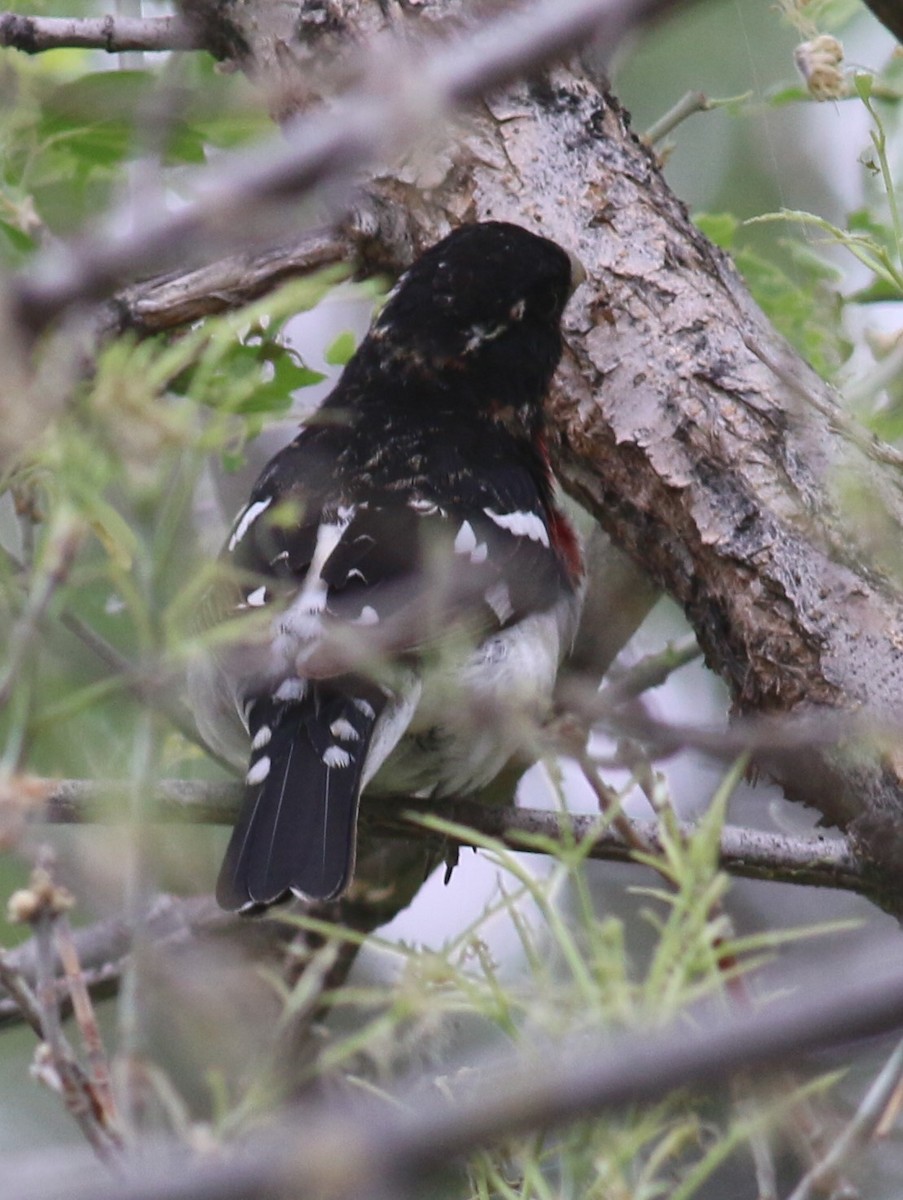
247, 519
521, 524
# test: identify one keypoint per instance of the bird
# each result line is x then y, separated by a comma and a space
401, 585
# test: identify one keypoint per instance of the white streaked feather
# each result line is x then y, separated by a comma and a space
311, 597
246, 520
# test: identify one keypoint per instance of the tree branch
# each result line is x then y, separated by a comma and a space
815, 862
170, 301
115, 34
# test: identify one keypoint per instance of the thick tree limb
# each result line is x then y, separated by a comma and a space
114, 34
369, 1148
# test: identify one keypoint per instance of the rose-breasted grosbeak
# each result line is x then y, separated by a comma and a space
406, 584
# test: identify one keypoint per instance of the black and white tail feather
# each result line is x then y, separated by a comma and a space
409, 572
313, 748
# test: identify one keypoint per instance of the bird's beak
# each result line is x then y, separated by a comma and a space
578, 272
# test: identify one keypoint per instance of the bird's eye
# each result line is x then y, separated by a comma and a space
546, 303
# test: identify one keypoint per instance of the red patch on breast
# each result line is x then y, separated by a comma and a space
565, 542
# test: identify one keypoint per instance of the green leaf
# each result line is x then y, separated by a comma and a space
863, 83
720, 228
792, 94
339, 351
879, 291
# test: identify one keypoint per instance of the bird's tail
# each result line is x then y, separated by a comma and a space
296, 829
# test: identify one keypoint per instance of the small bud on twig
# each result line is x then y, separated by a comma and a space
819, 63
41, 898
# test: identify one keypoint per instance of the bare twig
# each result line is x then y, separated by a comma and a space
116, 34
330, 146
85, 1016
21, 1000
687, 105
103, 946
759, 734
40, 905
650, 672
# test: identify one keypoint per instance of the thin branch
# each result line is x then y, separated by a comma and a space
177, 299
822, 1178
331, 146
815, 862
650, 672
33, 35
40, 905
21, 999
687, 105
761, 734
401, 1142
86, 1018
103, 947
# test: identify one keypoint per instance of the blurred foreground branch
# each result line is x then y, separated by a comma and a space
387, 1147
